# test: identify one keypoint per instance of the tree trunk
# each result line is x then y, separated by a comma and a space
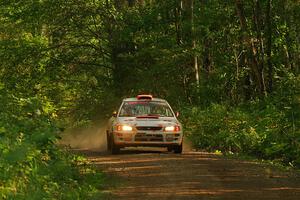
251, 49
269, 46
259, 56
194, 45
178, 18
207, 60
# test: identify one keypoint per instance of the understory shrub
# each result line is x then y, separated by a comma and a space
267, 128
31, 164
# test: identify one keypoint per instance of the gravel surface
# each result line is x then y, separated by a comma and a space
154, 173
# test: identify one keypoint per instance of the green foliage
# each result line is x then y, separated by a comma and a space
266, 128
36, 94
31, 165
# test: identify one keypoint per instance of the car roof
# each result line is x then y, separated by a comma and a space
135, 99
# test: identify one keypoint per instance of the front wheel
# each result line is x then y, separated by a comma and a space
108, 142
170, 148
115, 149
178, 149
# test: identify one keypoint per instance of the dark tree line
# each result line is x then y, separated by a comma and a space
234, 51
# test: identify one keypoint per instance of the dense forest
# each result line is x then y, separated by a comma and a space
230, 67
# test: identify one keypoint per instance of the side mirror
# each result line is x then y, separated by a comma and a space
177, 114
114, 114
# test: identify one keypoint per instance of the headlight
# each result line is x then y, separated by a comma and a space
172, 128
124, 128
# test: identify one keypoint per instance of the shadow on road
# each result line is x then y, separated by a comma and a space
125, 151
158, 174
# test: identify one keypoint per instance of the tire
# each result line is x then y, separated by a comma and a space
170, 148
115, 149
108, 142
178, 149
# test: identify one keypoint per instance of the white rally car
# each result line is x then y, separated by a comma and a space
144, 121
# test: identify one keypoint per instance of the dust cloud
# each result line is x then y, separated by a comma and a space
91, 138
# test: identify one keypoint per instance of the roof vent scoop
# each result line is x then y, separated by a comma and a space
144, 97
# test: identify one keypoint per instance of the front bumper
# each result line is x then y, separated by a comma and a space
147, 138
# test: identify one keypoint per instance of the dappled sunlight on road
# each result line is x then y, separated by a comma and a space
158, 174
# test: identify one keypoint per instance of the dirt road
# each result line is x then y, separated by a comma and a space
156, 174
153, 173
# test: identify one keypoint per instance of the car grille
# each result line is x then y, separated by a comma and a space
148, 128
148, 137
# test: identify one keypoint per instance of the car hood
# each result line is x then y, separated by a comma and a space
161, 121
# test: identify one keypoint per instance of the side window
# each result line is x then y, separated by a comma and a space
126, 110
168, 111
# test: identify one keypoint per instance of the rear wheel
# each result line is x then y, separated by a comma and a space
178, 148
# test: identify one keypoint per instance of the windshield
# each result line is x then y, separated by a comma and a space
145, 108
